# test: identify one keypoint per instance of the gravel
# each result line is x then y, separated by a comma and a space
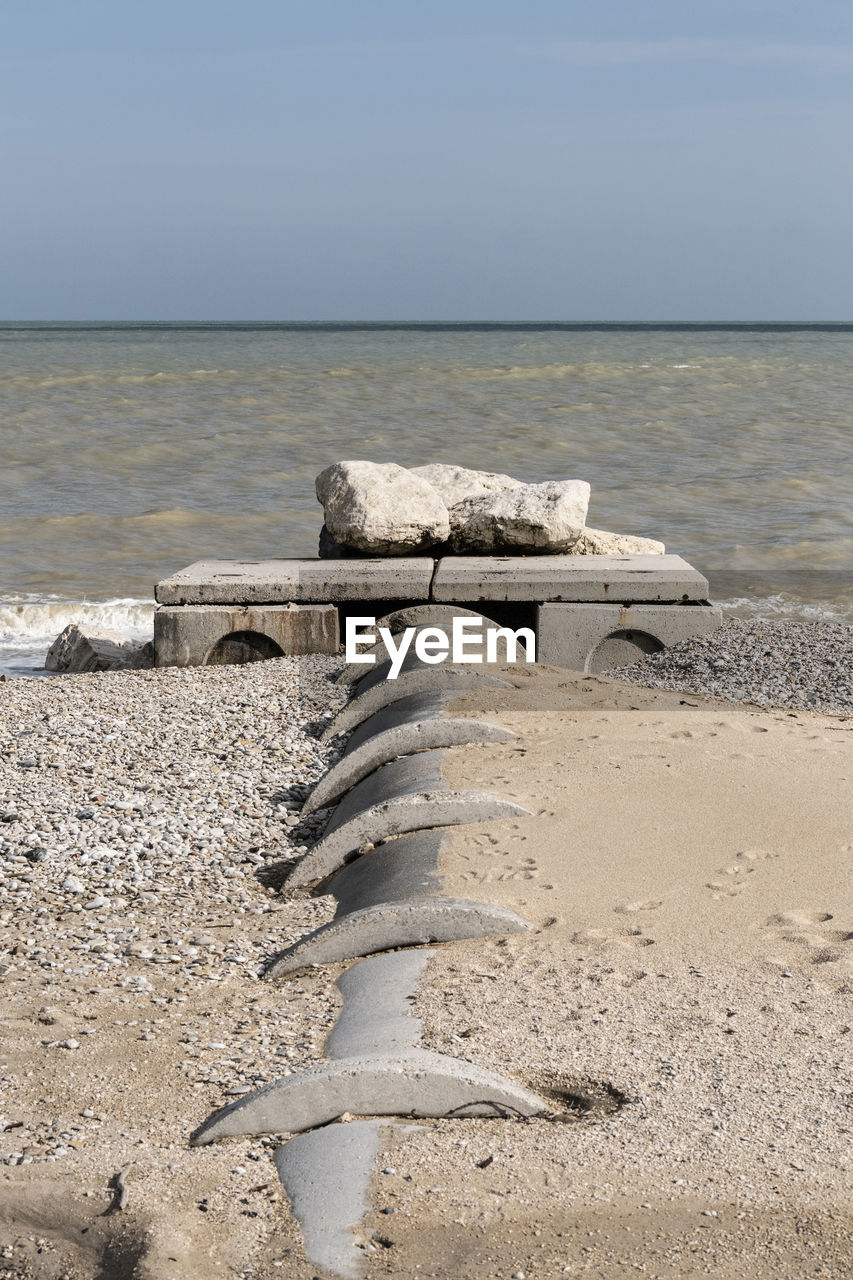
134, 803
807, 666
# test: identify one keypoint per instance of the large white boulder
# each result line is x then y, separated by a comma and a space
455, 483
380, 509
598, 542
525, 519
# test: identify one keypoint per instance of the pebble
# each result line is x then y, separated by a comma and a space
806, 666
115, 855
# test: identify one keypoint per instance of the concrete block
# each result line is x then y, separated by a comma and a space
418, 680
397, 924
211, 635
394, 732
326, 1174
406, 795
376, 1017
616, 579
309, 581
596, 637
418, 1083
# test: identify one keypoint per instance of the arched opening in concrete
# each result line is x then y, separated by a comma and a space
242, 646
621, 648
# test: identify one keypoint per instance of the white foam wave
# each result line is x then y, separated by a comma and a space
30, 622
785, 606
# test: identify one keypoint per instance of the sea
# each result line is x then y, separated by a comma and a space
130, 450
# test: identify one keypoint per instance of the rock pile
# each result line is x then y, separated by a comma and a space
382, 509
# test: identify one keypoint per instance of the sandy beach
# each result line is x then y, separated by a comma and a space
685, 990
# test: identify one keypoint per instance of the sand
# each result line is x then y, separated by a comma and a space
685, 995
687, 870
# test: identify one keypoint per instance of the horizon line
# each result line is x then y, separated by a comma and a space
438, 323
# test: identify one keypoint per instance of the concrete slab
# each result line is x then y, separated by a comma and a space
610, 579
210, 635
408, 683
397, 924
326, 1174
418, 1083
595, 637
401, 736
307, 581
376, 1017
405, 795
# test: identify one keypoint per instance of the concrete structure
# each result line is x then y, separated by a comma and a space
507, 588
406, 795
614, 579
376, 1016
418, 723
418, 1083
397, 924
420, 680
596, 637
379, 653
326, 1174
405, 868
211, 635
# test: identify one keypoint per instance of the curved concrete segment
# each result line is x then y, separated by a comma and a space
397, 924
376, 1017
326, 1175
418, 1083
407, 867
406, 795
393, 817
415, 706
400, 740
420, 680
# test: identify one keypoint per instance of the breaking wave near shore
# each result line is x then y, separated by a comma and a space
29, 625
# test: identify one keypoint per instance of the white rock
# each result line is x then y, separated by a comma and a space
455, 483
378, 508
526, 519
598, 542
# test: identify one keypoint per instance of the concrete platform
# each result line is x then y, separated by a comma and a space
596, 637
205, 607
212, 635
614, 579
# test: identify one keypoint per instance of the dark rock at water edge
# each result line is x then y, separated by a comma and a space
76, 651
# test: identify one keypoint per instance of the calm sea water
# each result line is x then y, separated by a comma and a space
130, 450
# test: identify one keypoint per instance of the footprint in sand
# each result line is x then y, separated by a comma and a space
623, 939
805, 939
733, 879
527, 870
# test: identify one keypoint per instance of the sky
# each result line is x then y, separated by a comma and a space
456, 160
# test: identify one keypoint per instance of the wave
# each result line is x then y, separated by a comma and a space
30, 623
785, 606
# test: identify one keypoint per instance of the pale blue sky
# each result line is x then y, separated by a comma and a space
378, 159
